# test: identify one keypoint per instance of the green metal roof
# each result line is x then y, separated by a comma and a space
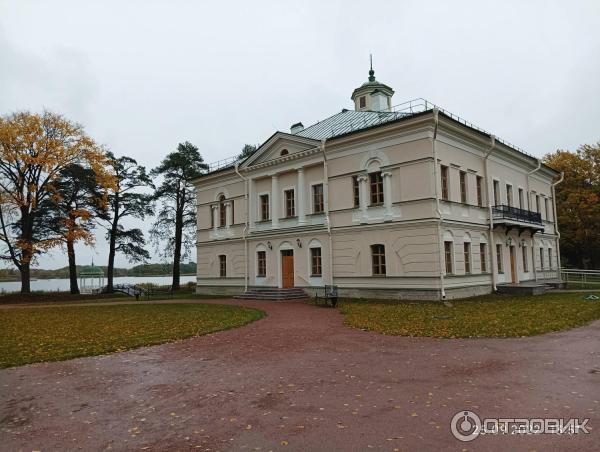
348, 121
91, 270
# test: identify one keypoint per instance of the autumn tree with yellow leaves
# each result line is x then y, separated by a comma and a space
578, 205
35, 149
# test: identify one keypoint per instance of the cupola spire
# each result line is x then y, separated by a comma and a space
371, 71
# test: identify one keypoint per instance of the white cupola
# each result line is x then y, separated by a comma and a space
372, 95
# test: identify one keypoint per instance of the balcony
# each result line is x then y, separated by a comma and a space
515, 218
515, 214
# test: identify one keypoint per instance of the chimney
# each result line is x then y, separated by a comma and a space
298, 127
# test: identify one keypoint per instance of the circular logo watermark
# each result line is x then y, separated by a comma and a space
465, 426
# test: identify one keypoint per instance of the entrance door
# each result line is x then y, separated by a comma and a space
513, 264
287, 268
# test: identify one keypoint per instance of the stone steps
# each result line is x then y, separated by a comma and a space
271, 293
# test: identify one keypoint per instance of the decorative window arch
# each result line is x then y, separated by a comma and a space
374, 160
373, 165
467, 237
286, 246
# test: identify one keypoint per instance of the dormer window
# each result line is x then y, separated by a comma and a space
362, 102
283, 152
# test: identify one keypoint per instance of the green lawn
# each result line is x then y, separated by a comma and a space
53, 333
489, 316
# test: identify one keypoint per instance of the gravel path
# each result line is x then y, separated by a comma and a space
299, 380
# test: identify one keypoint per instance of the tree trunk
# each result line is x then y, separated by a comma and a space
72, 268
112, 244
26, 253
177, 251
25, 270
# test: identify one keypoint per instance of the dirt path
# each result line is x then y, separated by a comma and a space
300, 380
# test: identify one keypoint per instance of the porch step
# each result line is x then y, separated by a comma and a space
523, 289
273, 293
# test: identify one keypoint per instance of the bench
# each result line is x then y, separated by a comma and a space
329, 298
158, 292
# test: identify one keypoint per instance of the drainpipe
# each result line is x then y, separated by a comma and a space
438, 211
245, 226
492, 244
556, 231
327, 220
529, 173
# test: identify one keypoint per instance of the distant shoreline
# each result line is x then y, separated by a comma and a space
37, 278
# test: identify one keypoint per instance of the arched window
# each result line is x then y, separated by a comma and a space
222, 211
283, 152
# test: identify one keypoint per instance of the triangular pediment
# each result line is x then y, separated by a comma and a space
277, 146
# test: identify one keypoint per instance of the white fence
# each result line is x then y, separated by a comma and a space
580, 279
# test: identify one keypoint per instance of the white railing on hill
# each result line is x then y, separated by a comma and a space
580, 279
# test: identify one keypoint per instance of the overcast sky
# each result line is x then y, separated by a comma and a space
145, 75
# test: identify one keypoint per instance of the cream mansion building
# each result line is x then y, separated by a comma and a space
406, 202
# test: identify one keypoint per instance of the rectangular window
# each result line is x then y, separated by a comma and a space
480, 191
378, 254
264, 207
496, 193
222, 214
546, 208
376, 182
261, 263
362, 102
448, 257
445, 183
463, 187
549, 257
231, 204
290, 203
467, 254
537, 203
499, 258
521, 202
509, 195
356, 191
212, 216
222, 266
317, 192
525, 259
315, 262
483, 257
541, 257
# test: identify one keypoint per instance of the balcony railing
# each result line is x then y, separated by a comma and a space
515, 214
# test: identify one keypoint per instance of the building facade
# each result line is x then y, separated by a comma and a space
404, 203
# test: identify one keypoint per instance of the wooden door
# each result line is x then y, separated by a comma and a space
513, 265
287, 269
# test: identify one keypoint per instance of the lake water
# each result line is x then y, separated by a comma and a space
62, 285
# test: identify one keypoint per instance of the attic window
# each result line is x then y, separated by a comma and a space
362, 102
283, 152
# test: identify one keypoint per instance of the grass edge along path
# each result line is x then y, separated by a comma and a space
56, 333
495, 316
